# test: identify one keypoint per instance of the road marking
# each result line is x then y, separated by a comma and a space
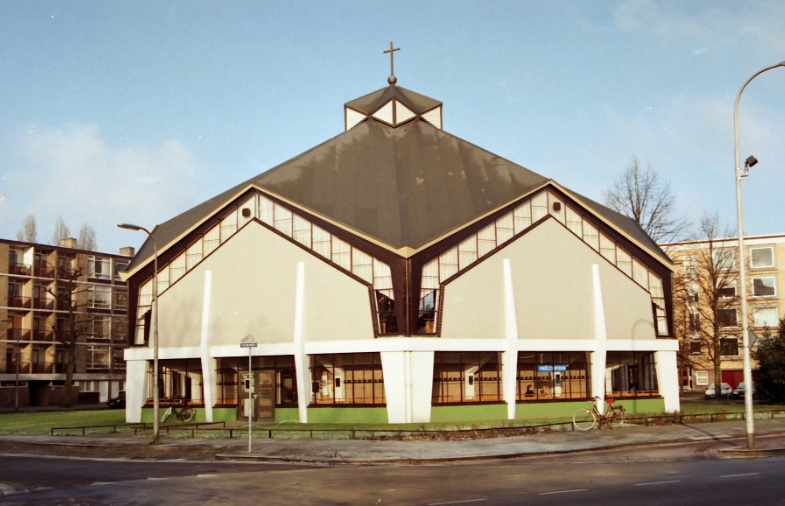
564, 491
737, 475
207, 475
656, 483
466, 501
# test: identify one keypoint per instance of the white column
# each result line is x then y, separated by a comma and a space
668, 379
136, 387
510, 355
408, 383
300, 359
598, 357
208, 364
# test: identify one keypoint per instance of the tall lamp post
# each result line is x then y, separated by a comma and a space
741, 173
156, 427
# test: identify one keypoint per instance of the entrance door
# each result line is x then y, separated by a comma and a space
265, 401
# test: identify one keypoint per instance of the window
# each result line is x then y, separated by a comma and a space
765, 317
100, 327
631, 374
729, 347
347, 379
691, 266
693, 294
702, 378
724, 259
762, 258
98, 297
98, 268
764, 286
120, 300
727, 317
726, 289
466, 377
426, 317
694, 322
119, 266
97, 357
695, 347
552, 375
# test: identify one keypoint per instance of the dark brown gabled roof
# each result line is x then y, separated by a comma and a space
399, 186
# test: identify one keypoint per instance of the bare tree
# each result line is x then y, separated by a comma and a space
28, 232
87, 239
705, 297
641, 195
61, 232
70, 296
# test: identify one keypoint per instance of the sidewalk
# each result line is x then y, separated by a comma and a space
336, 452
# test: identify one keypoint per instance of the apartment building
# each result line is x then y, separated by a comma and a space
712, 265
38, 285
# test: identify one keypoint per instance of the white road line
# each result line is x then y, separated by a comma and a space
456, 502
656, 483
207, 475
564, 491
737, 475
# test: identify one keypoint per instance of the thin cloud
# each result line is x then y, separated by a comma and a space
75, 173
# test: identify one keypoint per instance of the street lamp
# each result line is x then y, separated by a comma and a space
748, 414
137, 228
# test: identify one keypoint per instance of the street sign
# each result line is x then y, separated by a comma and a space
247, 345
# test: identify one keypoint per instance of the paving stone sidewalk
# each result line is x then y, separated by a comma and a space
729, 436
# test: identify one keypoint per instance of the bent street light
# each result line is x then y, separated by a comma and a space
137, 228
748, 414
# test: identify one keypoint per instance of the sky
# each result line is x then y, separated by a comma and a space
137, 111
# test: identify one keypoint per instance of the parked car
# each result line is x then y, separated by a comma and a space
117, 402
725, 391
738, 393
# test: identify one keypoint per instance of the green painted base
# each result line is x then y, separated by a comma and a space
346, 415
469, 413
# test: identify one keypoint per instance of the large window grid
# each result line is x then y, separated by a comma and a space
496, 234
552, 376
466, 377
632, 374
230, 370
347, 379
299, 229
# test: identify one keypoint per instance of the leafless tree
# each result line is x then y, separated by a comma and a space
28, 232
641, 195
70, 296
87, 239
705, 296
61, 232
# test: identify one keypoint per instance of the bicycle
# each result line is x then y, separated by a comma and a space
587, 418
185, 413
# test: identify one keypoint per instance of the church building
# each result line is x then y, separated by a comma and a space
399, 274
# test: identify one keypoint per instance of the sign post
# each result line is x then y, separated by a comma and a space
249, 410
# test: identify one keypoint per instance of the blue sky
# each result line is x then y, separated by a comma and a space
136, 111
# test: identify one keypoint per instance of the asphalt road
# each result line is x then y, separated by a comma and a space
686, 473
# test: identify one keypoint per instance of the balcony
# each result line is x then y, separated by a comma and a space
43, 270
43, 335
44, 303
19, 269
18, 334
20, 302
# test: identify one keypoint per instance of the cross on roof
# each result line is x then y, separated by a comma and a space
392, 79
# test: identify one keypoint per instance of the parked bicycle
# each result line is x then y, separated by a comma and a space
184, 412
587, 418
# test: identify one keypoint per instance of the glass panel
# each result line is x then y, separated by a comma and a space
467, 252
342, 253
522, 217
504, 229
764, 286
321, 241
761, 258
362, 265
448, 264
302, 231
486, 240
